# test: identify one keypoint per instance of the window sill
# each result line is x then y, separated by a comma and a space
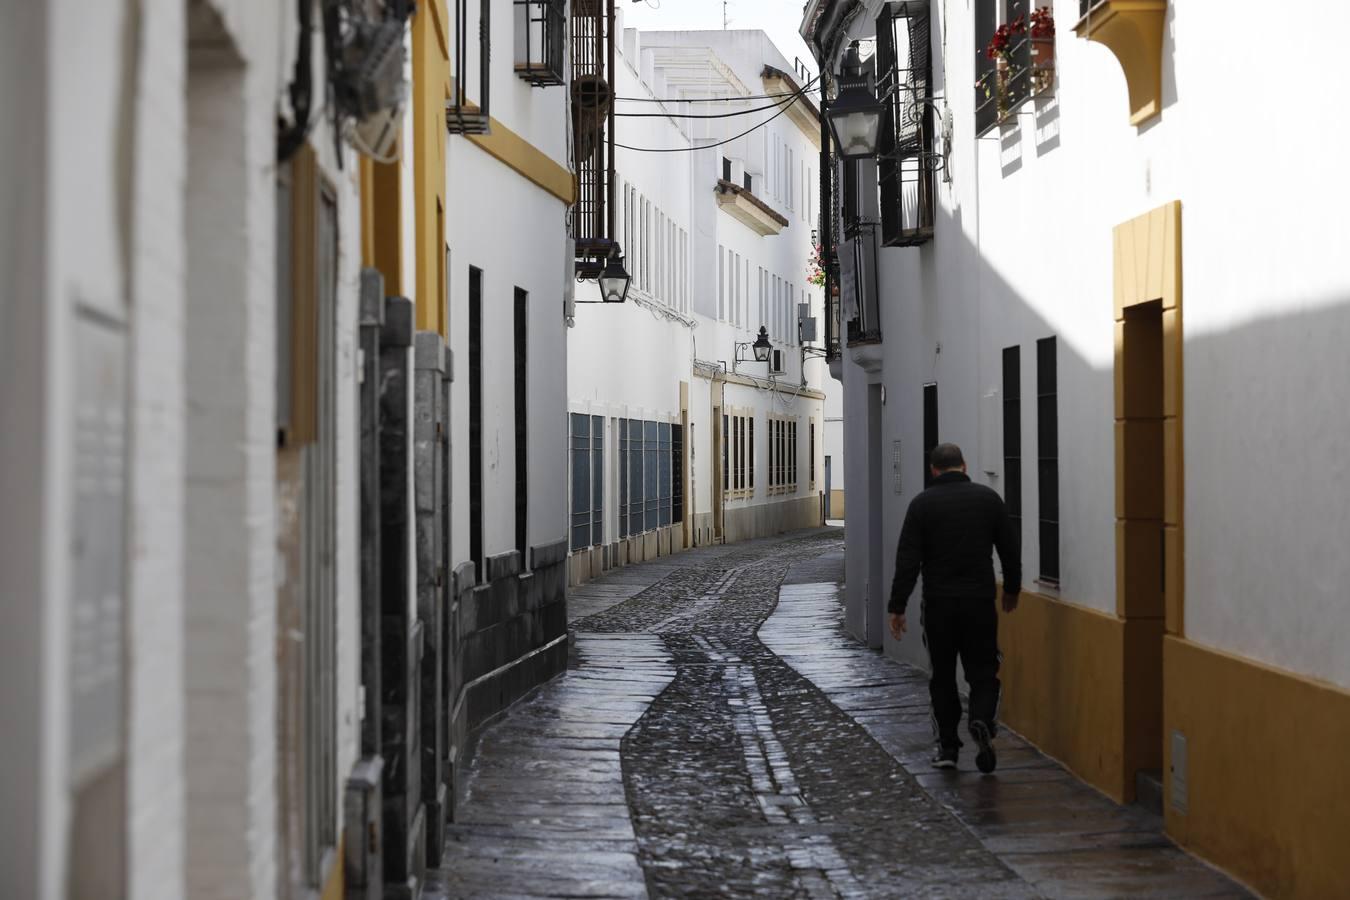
1047, 587
748, 209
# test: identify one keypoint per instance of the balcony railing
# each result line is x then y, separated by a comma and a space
860, 287
540, 29
907, 161
592, 54
467, 111
1027, 72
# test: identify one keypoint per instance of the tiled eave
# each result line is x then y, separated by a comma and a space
751, 211
802, 111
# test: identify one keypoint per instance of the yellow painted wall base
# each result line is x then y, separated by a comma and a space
1268, 771
335, 886
1063, 676
836, 503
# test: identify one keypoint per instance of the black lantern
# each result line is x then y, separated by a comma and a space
614, 280
855, 115
761, 346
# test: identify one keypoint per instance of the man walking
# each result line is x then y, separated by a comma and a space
950, 532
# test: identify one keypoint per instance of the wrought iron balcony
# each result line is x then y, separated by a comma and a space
859, 281
906, 163
463, 115
540, 42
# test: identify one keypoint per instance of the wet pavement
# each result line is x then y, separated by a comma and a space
719, 734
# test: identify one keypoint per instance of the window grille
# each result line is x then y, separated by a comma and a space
467, 110
665, 469
621, 429
726, 453
522, 404
539, 36
651, 471
476, 421
677, 471
636, 486
1012, 434
811, 454
592, 51
581, 481
588, 480
597, 480
1017, 78
859, 283
1047, 452
987, 100
930, 429
906, 161
751, 441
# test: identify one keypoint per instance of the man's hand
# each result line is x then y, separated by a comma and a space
1010, 601
898, 626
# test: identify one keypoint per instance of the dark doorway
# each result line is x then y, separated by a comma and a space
930, 429
522, 423
476, 420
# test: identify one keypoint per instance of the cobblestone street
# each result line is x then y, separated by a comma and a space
719, 734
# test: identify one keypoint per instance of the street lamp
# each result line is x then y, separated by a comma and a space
614, 280
761, 346
855, 115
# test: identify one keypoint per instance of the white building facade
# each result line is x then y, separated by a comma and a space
678, 436
507, 263
1173, 481
181, 723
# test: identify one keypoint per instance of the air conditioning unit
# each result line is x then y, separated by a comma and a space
777, 362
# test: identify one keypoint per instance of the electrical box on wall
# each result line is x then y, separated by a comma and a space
806, 323
777, 362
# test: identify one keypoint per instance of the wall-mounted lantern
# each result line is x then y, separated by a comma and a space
761, 347
614, 280
855, 115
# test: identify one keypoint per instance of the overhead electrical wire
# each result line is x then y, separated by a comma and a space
718, 99
726, 115
783, 107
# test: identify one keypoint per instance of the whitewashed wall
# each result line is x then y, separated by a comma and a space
629, 361
105, 147
1023, 251
515, 232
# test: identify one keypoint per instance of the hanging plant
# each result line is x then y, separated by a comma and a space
999, 50
815, 267
1042, 35
1043, 23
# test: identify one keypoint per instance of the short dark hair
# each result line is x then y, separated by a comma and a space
946, 456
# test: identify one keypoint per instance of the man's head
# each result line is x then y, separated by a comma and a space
946, 458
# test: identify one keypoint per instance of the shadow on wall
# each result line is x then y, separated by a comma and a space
1085, 402
1265, 489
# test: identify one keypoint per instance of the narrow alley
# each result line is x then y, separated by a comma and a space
429, 431
719, 733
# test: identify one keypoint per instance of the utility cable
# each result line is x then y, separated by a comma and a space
784, 108
719, 99
726, 115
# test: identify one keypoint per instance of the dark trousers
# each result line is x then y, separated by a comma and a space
967, 628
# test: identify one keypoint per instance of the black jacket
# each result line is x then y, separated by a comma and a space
950, 532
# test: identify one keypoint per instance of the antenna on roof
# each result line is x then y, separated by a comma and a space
724, 15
